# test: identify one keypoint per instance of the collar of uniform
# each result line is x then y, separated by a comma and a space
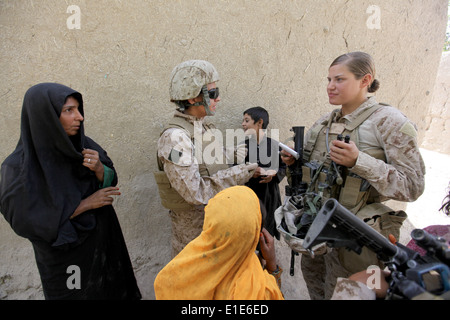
349, 118
188, 117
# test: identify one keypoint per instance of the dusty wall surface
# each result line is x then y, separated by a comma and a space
270, 53
438, 118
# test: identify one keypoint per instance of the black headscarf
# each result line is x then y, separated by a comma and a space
43, 180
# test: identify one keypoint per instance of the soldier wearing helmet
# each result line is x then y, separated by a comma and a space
192, 83
185, 181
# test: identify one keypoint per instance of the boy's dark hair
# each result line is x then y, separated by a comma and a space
257, 113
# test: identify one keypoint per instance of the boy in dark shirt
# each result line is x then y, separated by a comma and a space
271, 170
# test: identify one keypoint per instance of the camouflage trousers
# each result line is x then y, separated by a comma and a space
186, 226
320, 274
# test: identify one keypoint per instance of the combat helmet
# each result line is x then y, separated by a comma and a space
189, 79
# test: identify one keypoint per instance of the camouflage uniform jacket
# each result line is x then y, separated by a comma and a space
347, 289
184, 175
388, 134
352, 290
401, 177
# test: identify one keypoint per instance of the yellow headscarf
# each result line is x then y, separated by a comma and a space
221, 264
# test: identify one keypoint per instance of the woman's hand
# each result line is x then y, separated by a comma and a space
267, 246
100, 198
91, 160
344, 154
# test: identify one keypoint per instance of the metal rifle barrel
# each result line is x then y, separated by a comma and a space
299, 133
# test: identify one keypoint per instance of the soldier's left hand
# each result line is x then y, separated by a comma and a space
344, 154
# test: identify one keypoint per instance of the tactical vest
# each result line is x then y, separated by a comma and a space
355, 193
170, 198
320, 173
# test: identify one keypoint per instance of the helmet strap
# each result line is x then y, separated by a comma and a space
180, 105
206, 102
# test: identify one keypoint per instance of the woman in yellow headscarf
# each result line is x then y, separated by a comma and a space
221, 263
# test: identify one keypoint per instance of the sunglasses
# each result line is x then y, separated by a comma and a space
213, 93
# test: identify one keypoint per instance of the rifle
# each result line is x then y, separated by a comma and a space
296, 187
339, 227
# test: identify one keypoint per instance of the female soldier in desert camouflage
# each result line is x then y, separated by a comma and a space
381, 161
187, 179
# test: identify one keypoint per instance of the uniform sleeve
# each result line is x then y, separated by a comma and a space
177, 154
402, 177
346, 289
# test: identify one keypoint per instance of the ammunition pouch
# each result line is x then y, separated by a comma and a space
384, 220
170, 198
325, 180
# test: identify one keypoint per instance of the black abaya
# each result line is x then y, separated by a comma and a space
266, 154
42, 183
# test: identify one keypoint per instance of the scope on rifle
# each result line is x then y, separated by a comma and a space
432, 244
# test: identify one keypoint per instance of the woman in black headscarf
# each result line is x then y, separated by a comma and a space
56, 190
